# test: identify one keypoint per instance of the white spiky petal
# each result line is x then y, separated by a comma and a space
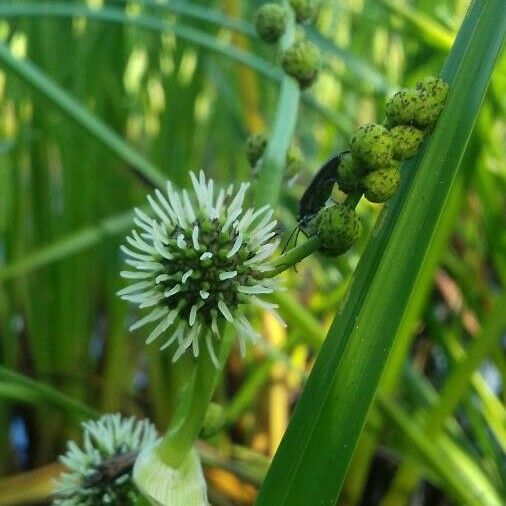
196, 261
103, 439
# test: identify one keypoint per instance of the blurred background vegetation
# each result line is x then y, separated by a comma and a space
117, 89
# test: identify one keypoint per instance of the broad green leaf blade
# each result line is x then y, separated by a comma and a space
311, 463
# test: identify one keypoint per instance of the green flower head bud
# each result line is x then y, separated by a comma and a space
305, 10
401, 109
372, 145
270, 22
381, 184
338, 227
302, 61
407, 140
255, 147
349, 174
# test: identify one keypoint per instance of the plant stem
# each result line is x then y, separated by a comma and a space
194, 400
273, 162
294, 256
192, 406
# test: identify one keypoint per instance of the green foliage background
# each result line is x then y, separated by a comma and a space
123, 96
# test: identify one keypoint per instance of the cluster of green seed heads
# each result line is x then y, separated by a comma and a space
376, 150
301, 60
371, 166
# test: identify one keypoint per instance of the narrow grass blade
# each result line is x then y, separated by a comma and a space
311, 463
74, 110
68, 245
43, 393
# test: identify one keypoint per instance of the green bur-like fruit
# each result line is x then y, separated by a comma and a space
270, 22
407, 140
338, 227
349, 174
381, 184
255, 147
304, 10
433, 92
372, 145
402, 108
302, 61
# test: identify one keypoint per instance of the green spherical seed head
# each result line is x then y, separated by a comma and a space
304, 10
270, 22
402, 107
349, 174
428, 112
302, 61
407, 140
338, 227
255, 147
372, 145
381, 184
433, 88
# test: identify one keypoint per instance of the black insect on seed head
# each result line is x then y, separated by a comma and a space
319, 190
316, 195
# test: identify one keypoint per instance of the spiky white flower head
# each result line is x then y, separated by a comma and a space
106, 442
196, 261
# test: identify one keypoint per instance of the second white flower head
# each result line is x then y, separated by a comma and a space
196, 261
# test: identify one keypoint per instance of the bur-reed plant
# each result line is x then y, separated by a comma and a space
271, 174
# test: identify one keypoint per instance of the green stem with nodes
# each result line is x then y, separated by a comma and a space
271, 172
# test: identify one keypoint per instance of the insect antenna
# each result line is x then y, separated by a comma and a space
296, 229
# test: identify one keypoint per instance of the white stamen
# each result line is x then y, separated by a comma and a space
156, 314
195, 238
188, 207
206, 255
186, 275
172, 291
158, 210
225, 311
162, 277
210, 348
222, 276
134, 254
181, 243
178, 333
214, 324
236, 246
168, 209
204, 295
251, 290
135, 274
193, 313
135, 287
